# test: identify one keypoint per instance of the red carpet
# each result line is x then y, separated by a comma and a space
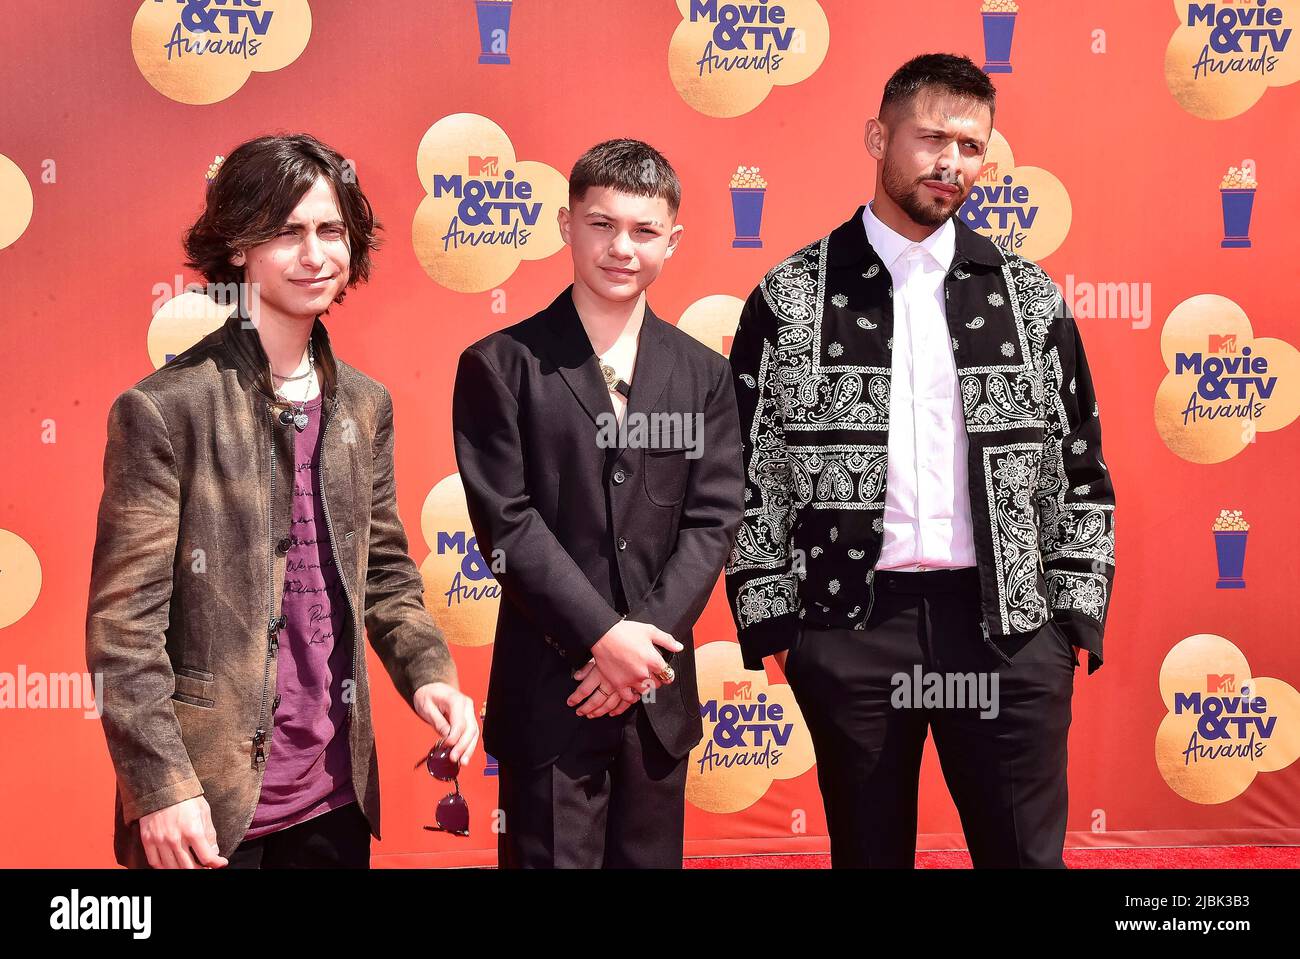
1171, 857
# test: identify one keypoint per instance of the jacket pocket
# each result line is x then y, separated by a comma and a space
193, 689
665, 475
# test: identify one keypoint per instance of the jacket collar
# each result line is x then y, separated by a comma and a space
571, 351
890, 245
245, 347
849, 246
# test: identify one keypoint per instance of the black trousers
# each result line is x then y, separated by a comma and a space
338, 839
1006, 771
614, 799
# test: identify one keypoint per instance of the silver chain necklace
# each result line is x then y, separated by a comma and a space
297, 415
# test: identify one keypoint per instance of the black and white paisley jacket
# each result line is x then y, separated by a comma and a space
811, 364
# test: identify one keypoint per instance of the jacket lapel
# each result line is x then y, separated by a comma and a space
255, 369
972, 247
655, 358
849, 246
570, 350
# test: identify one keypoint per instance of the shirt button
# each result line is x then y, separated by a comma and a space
622, 543
619, 476
282, 547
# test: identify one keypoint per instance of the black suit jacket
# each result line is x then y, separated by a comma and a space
588, 533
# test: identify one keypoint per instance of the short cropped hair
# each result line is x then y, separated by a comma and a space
628, 166
938, 72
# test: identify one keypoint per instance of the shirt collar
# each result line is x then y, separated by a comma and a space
889, 245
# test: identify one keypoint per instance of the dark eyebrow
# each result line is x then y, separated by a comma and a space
606, 216
972, 139
295, 225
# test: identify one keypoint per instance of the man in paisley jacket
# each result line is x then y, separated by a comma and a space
926, 501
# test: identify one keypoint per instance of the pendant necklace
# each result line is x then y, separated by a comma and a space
297, 415
612, 380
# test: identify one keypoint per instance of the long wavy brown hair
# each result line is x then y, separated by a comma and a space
256, 188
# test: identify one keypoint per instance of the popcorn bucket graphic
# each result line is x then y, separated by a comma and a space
1230, 531
1230, 547
493, 17
747, 191
1237, 204
747, 212
998, 30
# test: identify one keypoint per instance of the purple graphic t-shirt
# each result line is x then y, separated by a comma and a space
309, 767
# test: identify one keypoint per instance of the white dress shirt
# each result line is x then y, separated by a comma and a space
927, 522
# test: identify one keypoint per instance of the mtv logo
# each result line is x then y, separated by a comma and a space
988, 173
1223, 343
483, 166
1214, 683
742, 689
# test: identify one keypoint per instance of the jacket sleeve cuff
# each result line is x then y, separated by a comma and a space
424, 674
1082, 634
596, 623
767, 636
133, 807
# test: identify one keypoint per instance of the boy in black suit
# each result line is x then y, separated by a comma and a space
600, 452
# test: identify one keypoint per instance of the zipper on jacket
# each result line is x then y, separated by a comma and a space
338, 566
272, 650
984, 628
259, 735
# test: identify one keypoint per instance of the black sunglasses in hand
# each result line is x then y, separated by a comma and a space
452, 813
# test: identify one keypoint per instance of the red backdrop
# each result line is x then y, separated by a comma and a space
1100, 105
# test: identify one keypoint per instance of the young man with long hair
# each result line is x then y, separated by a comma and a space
248, 534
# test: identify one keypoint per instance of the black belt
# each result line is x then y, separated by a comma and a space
928, 580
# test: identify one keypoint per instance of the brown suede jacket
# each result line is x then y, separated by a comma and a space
188, 575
